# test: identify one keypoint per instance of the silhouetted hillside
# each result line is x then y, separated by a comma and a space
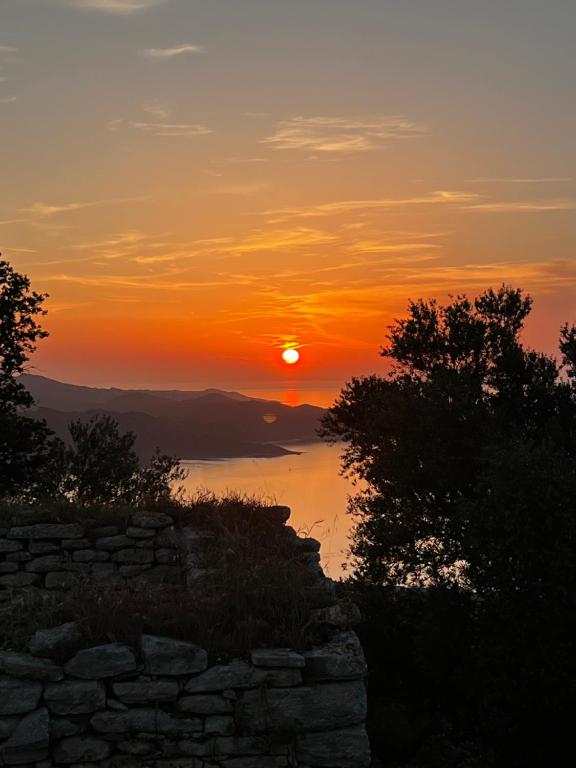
193, 425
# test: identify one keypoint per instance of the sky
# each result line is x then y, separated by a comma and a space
199, 183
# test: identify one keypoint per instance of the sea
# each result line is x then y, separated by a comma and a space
308, 482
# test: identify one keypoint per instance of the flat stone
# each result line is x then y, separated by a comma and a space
61, 727
29, 667
133, 556
18, 696
136, 748
47, 531
46, 564
145, 692
7, 726
90, 556
242, 746
277, 657
9, 546
18, 580
114, 543
306, 708
81, 749
73, 544
205, 704
104, 531
145, 721
164, 656
151, 520
61, 580
140, 533
18, 557
101, 661
8, 568
219, 725
43, 547
30, 740
345, 748
75, 697
282, 678
341, 659
237, 674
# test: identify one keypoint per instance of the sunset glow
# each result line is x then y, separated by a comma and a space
290, 356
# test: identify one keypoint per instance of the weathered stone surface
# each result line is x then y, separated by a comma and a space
342, 615
18, 557
140, 533
48, 531
55, 642
145, 721
90, 556
105, 573
113, 543
8, 568
18, 696
104, 531
29, 741
136, 748
151, 520
205, 704
18, 580
73, 544
81, 749
142, 692
61, 580
345, 748
61, 727
307, 708
75, 697
219, 725
277, 657
282, 678
7, 726
46, 564
24, 665
133, 556
9, 546
101, 661
341, 659
242, 746
164, 656
237, 674
43, 547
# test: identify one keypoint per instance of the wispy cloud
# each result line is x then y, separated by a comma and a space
163, 125
160, 54
45, 210
529, 206
519, 179
8, 99
117, 7
341, 134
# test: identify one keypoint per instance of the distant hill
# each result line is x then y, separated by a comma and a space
203, 424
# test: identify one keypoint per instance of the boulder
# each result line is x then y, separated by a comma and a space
101, 661
145, 721
18, 696
47, 531
81, 749
306, 708
55, 642
344, 748
30, 740
151, 520
143, 692
277, 657
237, 674
24, 665
75, 697
205, 704
164, 656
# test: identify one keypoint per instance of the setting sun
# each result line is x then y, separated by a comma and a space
290, 356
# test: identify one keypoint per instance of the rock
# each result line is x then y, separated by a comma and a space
116, 705
131, 571
282, 678
55, 642
146, 721
18, 696
7, 726
90, 556
163, 574
341, 659
9, 546
24, 665
101, 661
136, 748
61, 580
17, 580
164, 656
81, 749
342, 615
105, 573
238, 746
277, 657
205, 704
237, 674
48, 531
277, 514
8, 568
59, 728
219, 725
345, 748
140, 533
75, 544
306, 708
145, 692
114, 543
307, 544
166, 556
18, 557
46, 564
43, 547
30, 740
133, 556
151, 520
104, 531
257, 761
75, 697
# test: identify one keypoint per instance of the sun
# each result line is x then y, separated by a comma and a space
290, 356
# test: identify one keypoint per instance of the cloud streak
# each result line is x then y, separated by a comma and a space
162, 54
117, 7
341, 135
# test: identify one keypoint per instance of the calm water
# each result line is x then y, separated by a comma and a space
309, 484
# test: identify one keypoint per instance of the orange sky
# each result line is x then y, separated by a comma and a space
197, 184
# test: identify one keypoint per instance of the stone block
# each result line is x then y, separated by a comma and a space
30, 740
144, 692
8, 568
29, 667
9, 546
151, 520
43, 547
90, 556
344, 748
114, 543
47, 531
164, 656
277, 657
205, 704
61, 580
145, 721
140, 533
75, 697
18, 697
341, 659
46, 564
237, 674
219, 725
133, 556
19, 580
101, 661
81, 749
